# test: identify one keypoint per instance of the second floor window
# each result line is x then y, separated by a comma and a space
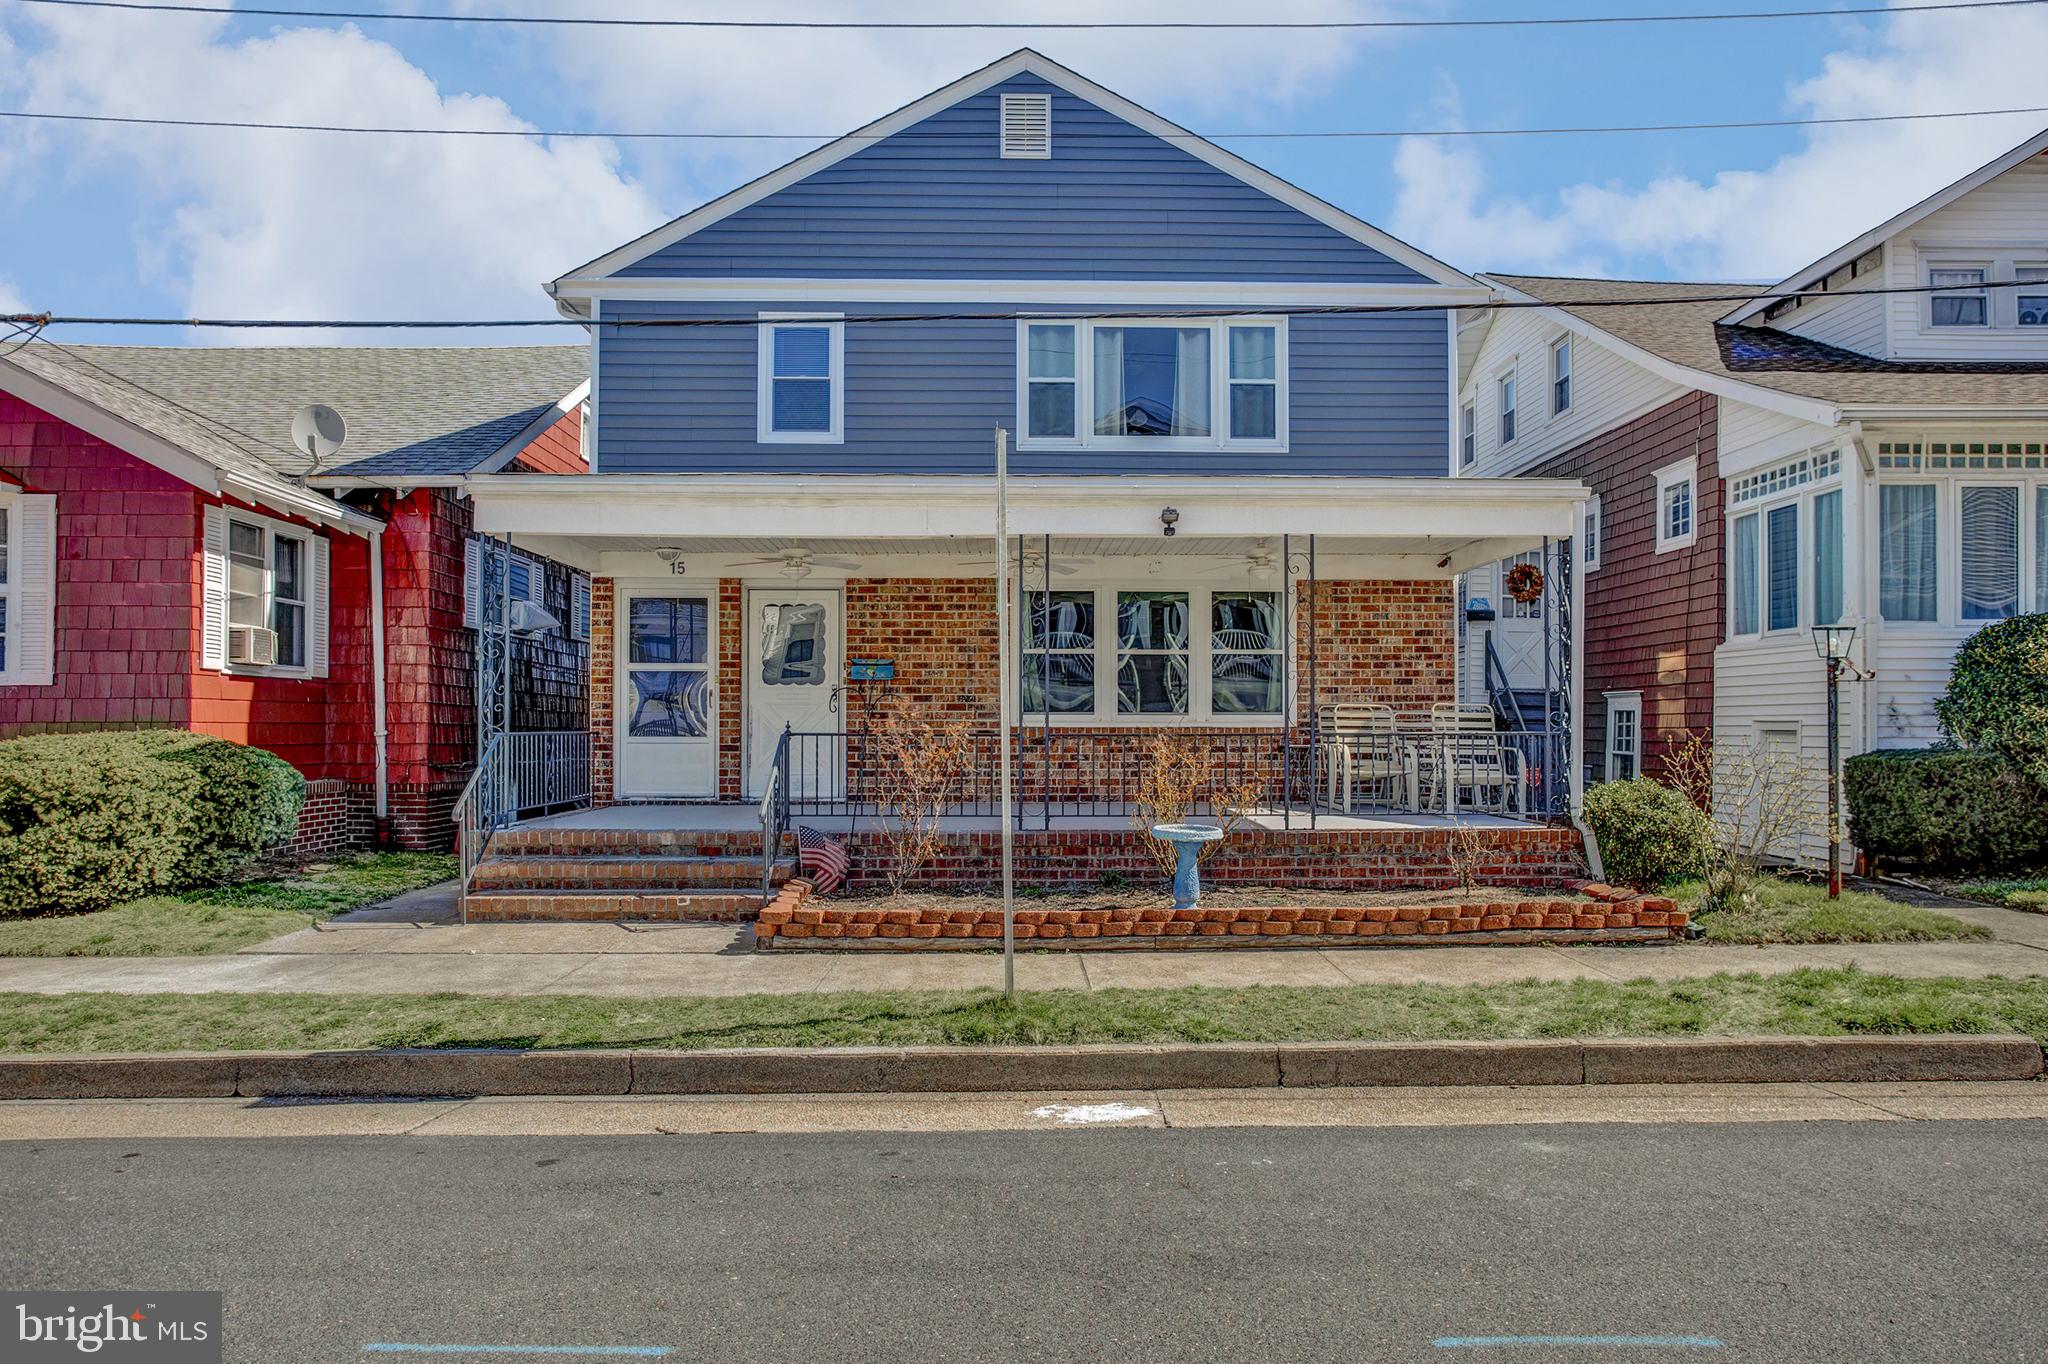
1561, 375
1121, 383
801, 395
1675, 495
1468, 437
1953, 306
1507, 408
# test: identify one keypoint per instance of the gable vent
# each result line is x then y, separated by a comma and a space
1027, 126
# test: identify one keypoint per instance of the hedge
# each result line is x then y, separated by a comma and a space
1946, 809
90, 820
1998, 693
1648, 833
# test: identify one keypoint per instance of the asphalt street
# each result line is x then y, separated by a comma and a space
1864, 1242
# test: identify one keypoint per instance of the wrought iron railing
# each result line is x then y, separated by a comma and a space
774, 813
480, 809
523, 773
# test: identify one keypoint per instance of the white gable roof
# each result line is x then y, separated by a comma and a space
1017, 63
1810, 275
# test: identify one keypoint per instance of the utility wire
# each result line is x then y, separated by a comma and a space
1582, 20
1737, 295
149, 122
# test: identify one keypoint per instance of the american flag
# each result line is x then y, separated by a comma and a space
822, 859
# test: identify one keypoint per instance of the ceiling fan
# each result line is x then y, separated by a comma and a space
1260, 562
798, 563
1033, 563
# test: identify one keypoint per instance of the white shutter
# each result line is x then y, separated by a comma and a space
316, 625
472, 581
35, 594
579, 607
213, 629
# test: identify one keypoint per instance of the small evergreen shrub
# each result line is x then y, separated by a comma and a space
90, 820
1998, 694
1946, 809
1648, 832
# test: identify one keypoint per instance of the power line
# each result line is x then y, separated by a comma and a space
1582, 20
1737, 294
137, 120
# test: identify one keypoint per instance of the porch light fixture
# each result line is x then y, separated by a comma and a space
1831, 643
670, 555
1168, 517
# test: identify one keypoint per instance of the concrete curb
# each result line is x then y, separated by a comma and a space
926, 1070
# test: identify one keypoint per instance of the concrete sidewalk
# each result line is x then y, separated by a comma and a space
414, 947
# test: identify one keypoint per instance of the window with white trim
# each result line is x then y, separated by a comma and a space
1153, 654
1560, 375
269, 594
801, 389
583, 430
1468, 437
1589, 532
1624, 735
1505, 388
1171, 384
1957, 306
2030, 306
1677, 512
1989, 541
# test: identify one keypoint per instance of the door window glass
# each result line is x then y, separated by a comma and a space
667, 630
793, 645
670, 704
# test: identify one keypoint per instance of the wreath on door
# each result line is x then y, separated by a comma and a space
1524, 583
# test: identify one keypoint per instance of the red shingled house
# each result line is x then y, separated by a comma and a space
167, 558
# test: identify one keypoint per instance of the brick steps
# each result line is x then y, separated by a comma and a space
624, 872
545, 842
666, 903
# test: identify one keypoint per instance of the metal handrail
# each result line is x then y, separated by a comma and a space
479, 810
517, 773
1498, 692
774, 812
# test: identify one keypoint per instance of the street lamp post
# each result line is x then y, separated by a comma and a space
1832, 643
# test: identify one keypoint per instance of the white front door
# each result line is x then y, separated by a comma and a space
794, 673
1518, 628
667, 695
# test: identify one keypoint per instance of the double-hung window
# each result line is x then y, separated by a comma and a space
1744, 572
1560, 375
1172, 385
1506, 389
1781, 562
1589, 533
1827, 558
28, 577
1676, 511
1953, 302
1153, 654
2031, 304
1624, 735
1468, 437
1990, 542
1908, 551
268, 595
801, 381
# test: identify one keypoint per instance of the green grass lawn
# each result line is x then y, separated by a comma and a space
1803, 1003
2020, 892
1800, 911
224, 918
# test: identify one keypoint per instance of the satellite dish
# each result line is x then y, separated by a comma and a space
318, 430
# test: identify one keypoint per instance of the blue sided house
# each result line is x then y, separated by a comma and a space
1228, 411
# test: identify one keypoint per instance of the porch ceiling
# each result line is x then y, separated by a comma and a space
1079, 547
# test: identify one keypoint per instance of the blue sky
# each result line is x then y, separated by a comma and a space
251, 223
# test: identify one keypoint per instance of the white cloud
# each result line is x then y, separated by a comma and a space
1751, 224
829, 81
290, 224
11, 300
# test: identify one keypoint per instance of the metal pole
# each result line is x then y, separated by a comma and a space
1288, 643
1045, 680
505, 678
1007, 671
1315, 719
1834, 781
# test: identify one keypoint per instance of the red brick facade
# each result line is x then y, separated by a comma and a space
1380, 641
1651, 620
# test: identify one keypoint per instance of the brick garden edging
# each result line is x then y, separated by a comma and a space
1607, 913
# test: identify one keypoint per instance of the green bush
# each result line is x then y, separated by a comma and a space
1648, 833
90, 820
1998, 693
1946, 809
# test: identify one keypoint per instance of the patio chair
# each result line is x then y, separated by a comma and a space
1469, 753
1362, 746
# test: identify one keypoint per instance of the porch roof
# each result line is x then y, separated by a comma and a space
1424, 527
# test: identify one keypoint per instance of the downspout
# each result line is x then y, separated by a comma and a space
377, 691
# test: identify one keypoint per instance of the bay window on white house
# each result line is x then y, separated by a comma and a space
1908, 551
1990, 544
1785, 546
1116, 655
1167, 384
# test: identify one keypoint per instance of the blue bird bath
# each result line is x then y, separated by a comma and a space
1187, 840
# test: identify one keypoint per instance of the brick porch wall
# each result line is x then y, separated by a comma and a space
337, 816
1389, 641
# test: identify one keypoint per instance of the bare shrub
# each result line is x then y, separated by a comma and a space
924, 766
1466, 853
1758, 798
1179, 779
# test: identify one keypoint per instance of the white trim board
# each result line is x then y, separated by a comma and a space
838, 293
1892, 226
1017, 63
